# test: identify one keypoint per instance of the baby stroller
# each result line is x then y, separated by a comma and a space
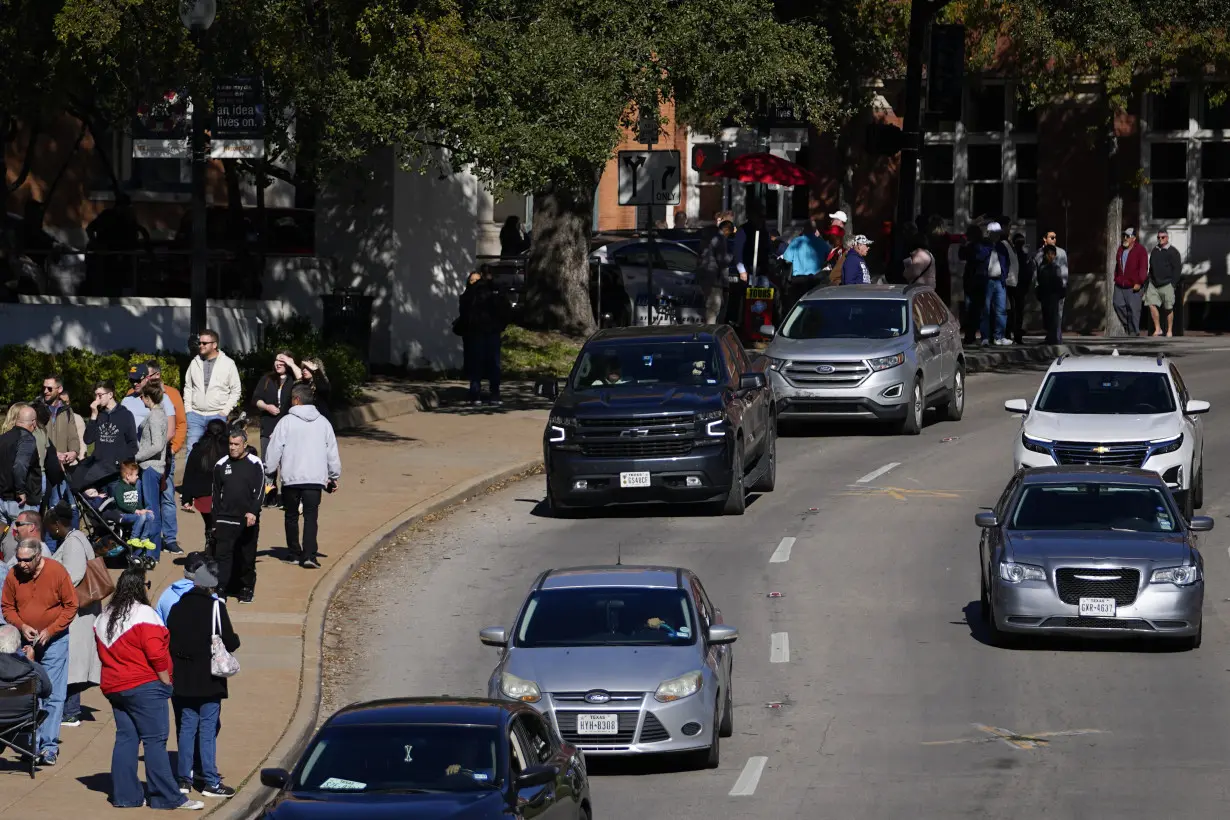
102, 524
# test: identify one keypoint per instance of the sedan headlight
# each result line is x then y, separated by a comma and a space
520, 689
1016, 573
680, 687
1180, 576
1036, 445
887, 362
1165, 445
776, 364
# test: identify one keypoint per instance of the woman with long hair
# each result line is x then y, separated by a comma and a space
198, 485
133, 645
272, 399
10, 418
314, 375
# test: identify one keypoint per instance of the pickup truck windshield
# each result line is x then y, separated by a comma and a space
848, 319
628, 365
1106, 393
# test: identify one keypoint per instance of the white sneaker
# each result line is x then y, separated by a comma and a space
191, 805
1004, 342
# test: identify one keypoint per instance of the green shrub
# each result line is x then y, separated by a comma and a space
22, 370
345, 371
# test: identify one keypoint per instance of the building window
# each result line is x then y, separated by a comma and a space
988, 164
1186, 154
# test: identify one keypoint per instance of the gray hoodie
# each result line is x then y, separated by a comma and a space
304, 449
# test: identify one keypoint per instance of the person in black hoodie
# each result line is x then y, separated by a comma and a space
272, 399
484, 315
197, 694
238, 487
113, 432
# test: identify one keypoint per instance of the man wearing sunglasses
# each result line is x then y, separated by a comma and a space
211, 387
1131, 273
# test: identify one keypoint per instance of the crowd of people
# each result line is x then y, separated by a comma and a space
64, 627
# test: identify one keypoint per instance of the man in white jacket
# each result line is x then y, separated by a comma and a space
304, 449
211, 387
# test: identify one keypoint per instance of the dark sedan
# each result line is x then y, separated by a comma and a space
434, 758
1094, 551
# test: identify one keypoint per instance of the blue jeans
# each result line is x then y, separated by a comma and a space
995, 311
170, 524
197, 720
196, 428
54, 658
150, 495
142, 525
482, 360
10, 509
141, 719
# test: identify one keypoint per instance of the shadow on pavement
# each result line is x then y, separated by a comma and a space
100, 782
980, 632
626, 511
370, 433
640, 766
799, 428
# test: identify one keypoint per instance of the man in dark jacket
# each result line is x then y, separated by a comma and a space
239, 488
113, 432
18, 666
485, 313
197, 694
1165, 268
1131, 273
711, 270
1019, 292
21, 472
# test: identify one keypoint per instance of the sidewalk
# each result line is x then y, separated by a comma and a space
392, 470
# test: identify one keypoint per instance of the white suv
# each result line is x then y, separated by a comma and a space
1116, 411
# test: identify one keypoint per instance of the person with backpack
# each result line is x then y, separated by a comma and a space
919, 268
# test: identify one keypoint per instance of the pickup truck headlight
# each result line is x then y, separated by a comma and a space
886, 362
678, 688
714, 422
1165, 445
1015, 573
520, 689
558, 426
1179, 576
1036, 445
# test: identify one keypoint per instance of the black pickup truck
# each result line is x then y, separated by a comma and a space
673, 413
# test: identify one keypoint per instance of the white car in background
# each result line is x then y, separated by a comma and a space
1116, 411
674, 274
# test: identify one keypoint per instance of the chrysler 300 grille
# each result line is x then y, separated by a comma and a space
1076, 583
1119, 454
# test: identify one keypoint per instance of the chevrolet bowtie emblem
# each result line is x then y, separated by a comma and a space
1100, 450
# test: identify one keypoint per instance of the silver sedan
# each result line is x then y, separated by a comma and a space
1094, 551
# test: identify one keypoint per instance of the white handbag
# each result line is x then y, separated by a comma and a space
222, 664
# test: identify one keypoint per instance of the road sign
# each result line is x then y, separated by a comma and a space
649, 177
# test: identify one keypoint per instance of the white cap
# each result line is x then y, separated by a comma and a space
993, 227
839, 216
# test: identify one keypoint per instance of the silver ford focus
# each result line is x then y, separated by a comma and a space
1095, 551
625, 660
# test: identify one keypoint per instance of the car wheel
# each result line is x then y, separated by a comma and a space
1198, 488
727, 727
955, 409
985, 599
736, 500
1000, 638
556, 509
911, 425
768, 476
1189, 497
711, 758
1194, 641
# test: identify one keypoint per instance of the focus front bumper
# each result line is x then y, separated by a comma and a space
647, 727
1160, 610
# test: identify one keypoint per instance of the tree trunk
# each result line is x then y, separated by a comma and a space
36, 130
1114, 225
557, 278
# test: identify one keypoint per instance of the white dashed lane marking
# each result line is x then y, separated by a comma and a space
782, 554
779, 647
749, 778
874, 474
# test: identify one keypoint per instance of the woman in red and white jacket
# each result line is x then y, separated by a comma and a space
133, 646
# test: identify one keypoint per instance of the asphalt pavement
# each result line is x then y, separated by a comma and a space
864, 686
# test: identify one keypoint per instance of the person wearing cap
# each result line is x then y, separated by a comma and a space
197, 694
172, 594
835, 233
854, 270
140, 375
1165, 268
1131, 273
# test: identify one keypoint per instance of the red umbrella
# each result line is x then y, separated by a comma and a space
766, 168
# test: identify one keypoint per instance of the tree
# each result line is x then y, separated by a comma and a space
557, 80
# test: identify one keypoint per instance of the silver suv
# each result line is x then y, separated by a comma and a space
868, 352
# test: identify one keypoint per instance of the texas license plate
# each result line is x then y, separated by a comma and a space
597, 724
1097, 607
634, 479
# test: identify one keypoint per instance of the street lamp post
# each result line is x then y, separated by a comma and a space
197, 16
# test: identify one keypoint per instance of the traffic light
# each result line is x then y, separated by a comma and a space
706, 156
884, 139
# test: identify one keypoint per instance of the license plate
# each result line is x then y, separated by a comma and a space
1097, 607
634, 479
597, 724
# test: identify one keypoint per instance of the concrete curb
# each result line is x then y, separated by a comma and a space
987, 361
252, 796
419, 402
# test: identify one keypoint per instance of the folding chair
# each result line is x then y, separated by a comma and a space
23, 721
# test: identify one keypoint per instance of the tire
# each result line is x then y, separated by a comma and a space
1198, 488
1194, 641
911, 425
736, 499
998, 637
556, 509
727, 727
984, 599
955, 409
1189, 507
711, 758
767, 479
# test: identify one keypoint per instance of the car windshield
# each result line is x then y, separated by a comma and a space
1094, 506
601, 616
1106, 393
399, 757
847, 319
647, 362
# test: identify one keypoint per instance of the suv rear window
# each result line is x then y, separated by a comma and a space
1106, 393
848, 319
